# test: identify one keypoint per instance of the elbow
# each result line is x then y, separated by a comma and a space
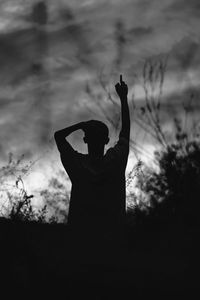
56, 135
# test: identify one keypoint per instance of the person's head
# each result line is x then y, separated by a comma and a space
96, 137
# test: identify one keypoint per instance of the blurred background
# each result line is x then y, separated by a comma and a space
59, 62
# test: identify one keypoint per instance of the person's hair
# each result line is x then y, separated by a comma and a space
97, 130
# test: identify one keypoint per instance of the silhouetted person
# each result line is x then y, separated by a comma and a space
98, 194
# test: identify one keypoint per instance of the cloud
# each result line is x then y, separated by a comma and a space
184, 7
45, 75
140, 32
20, 50
187, 53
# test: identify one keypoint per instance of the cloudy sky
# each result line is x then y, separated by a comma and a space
51, 56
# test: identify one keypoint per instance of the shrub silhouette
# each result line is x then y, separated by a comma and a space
56, 198
169, 189
22, 210
174, 190
16, 202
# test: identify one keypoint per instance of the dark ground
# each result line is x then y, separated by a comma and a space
43, 260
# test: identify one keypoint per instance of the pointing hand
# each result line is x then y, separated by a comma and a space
121, 88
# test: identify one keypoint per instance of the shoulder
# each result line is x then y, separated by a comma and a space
123, 142
120, 149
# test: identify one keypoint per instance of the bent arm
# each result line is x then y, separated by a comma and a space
60, 137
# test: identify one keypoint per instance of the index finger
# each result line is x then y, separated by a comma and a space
121, 78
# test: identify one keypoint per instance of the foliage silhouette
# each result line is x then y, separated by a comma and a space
169, 190
174, 190
56, 198
16, 204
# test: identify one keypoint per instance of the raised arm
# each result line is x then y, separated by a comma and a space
122, 91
